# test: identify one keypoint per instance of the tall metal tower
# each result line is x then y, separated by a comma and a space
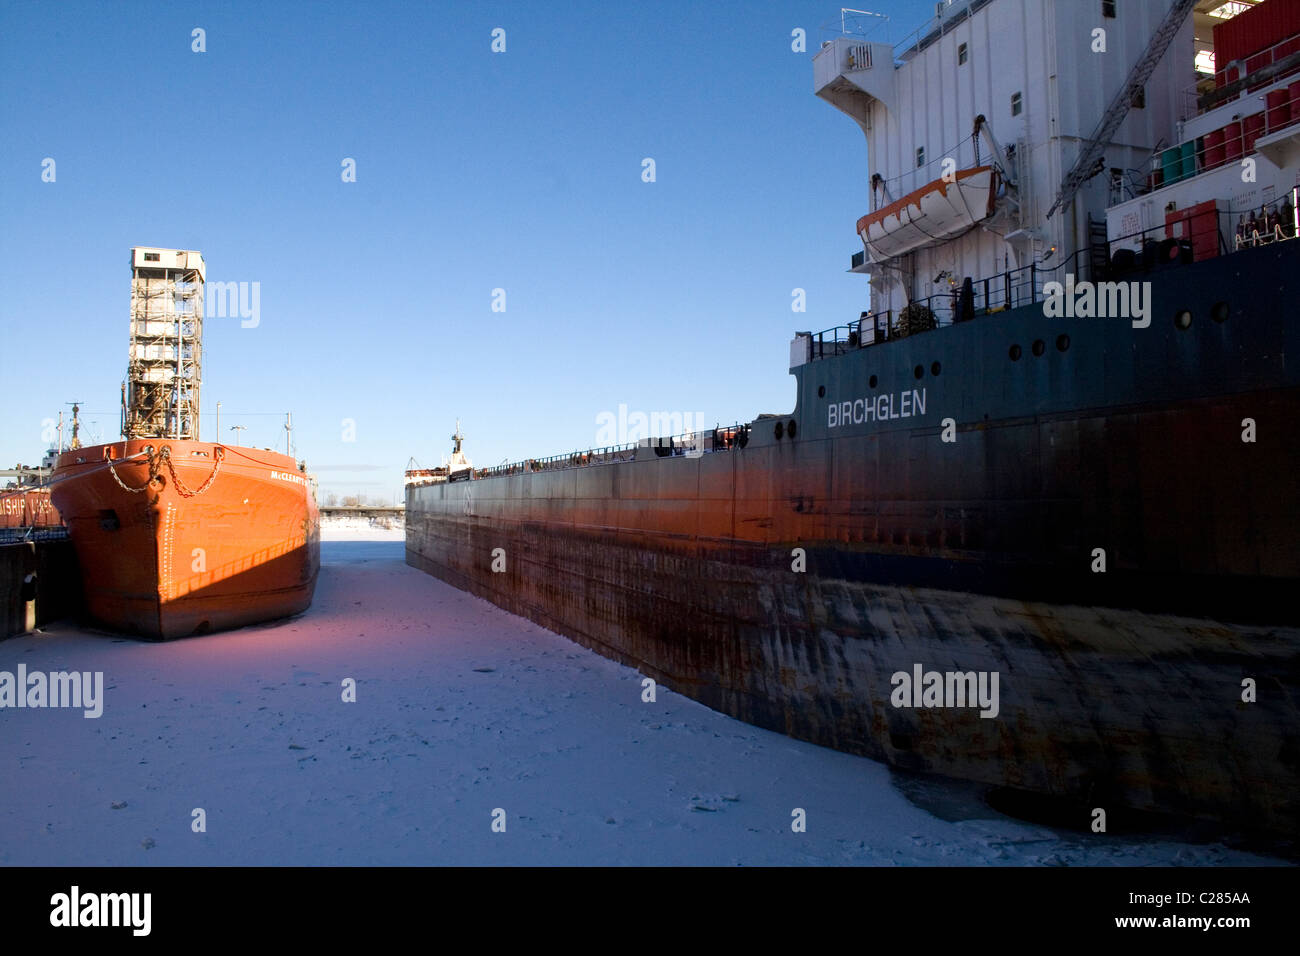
164, 367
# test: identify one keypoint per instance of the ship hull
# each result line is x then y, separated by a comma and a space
27, 514
1117, 707
1110, 530
27, 508
176, 543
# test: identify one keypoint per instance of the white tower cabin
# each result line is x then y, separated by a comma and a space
974, 124
164, 366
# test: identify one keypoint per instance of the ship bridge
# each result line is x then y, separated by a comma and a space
856, 68
851, 74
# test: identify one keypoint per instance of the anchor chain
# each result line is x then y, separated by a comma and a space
184, 490
153, 475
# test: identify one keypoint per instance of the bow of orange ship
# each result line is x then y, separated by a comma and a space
177, 537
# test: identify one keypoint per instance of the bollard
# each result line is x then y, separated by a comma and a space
29, 591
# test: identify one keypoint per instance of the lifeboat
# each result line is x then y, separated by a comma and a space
937, 211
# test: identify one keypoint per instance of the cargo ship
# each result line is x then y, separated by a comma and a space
1033, 520
26, 512
456, 468
176, 536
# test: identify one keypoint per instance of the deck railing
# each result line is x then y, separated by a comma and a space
1125, 257
720, 438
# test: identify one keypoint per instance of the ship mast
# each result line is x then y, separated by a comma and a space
76, 425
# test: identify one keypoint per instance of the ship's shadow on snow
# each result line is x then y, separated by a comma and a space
948, 799
333, 554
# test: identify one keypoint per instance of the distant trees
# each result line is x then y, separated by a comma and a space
358, 500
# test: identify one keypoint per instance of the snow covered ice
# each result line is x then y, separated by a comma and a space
461, 710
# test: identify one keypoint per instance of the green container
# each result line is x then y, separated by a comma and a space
1189, 158
1171, 163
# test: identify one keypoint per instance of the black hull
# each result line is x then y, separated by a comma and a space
1120, 688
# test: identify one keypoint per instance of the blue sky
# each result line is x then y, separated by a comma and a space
475, 171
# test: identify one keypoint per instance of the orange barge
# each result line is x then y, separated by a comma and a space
176, 537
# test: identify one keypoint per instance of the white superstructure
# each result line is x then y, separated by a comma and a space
1042, 75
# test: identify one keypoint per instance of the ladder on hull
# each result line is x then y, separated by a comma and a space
1083, 168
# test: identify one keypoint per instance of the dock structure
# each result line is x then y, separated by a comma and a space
363, 511
161, 394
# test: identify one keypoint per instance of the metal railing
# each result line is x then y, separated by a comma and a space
1133, 254
874, 27
1229, 73
934, 28
1230, 147
33, 533
720, 438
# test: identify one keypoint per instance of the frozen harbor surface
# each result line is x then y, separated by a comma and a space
461, 710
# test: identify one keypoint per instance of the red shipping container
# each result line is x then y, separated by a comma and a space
1252, 128
1232, 142
1214, 152
1278, 107
1256, 29
1200, 224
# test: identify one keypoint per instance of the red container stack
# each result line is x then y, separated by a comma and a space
1257, 29
1232, 142
1200, 224
1278, 107
1214, 150
1252, 128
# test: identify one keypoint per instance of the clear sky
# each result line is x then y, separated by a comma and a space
475, 171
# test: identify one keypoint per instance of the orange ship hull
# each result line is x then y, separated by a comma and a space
179, 537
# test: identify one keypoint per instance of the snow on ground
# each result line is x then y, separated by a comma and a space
361, 529
461, 709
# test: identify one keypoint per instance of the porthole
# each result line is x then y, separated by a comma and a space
790, 428
779, 430
1219, 312
871, 382
1062, 342
935, 368
1183, 319
821, 391
919, 371
1039, 346
1014, 353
